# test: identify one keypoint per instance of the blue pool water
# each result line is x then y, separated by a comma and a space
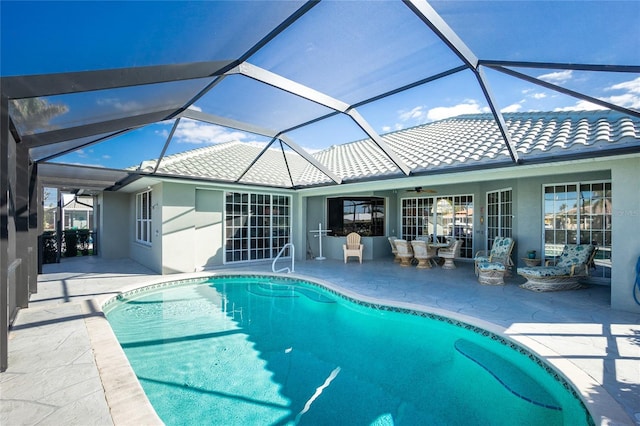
257, 350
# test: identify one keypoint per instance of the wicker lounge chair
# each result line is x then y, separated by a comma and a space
423, 254
405, 253
450, 253
394, 250
571, 266
352, 248
500, 253
491, 273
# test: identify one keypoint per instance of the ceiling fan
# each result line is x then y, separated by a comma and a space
420, 189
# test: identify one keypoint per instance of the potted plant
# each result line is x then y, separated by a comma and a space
531, 254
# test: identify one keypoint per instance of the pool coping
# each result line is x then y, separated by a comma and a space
129, 404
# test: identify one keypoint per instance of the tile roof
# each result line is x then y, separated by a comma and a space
466, 141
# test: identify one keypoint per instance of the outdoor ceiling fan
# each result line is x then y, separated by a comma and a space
420, 189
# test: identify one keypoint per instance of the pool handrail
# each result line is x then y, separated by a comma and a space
293, 255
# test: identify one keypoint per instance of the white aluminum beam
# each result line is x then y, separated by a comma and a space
282, 83
227, 122
429, 16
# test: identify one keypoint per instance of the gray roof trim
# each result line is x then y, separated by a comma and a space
76, 147
375, 137
561, 66
567, 91
119, 124
502, 125
31, 86
429, 16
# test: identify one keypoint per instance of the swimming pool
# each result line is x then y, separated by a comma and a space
266, 350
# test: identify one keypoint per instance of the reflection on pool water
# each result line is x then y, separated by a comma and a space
261, 350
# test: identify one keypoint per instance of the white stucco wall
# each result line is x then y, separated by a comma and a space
114, 234
626, 233
178, 228
208, 228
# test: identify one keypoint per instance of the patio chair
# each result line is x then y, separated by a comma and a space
500, 253
565, 274
394, 250
405, 253
450, 253
423, 253
353, 248
491, 273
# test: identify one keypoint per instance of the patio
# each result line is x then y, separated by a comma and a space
53, 377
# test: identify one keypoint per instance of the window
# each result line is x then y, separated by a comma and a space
257, 226
499, 215
143, 217
364, 215
440, 219
579, 213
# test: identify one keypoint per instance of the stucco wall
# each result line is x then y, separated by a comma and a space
626, 234
114, 234
208, 227
178, 227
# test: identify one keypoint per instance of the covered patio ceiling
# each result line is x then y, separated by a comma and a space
93, 89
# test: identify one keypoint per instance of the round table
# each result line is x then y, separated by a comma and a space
531, 262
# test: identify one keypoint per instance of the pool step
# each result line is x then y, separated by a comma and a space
285, 290
511, 377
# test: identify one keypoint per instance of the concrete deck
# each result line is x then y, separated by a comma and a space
65, 366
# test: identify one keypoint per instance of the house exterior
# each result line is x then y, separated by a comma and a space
576, 181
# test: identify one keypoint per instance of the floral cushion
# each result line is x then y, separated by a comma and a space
573, 254
480, 259
501, 247
545, 271
491, 266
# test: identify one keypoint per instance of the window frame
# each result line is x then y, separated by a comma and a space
256, 226
144, 218
335, 219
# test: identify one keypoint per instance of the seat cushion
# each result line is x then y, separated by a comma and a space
575, 254
491, 266
545, 271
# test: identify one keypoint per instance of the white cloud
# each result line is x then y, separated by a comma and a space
195, 108
119, 105
512, 108
581, 106
539, 95
627, 100
469, 107
190, 131
416, 114
630, 99
632, 86
557, 77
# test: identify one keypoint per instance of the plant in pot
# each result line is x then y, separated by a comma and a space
531, 254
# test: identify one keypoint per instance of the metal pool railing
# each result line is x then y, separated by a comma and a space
293, 256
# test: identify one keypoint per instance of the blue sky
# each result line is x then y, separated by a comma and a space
350, 55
